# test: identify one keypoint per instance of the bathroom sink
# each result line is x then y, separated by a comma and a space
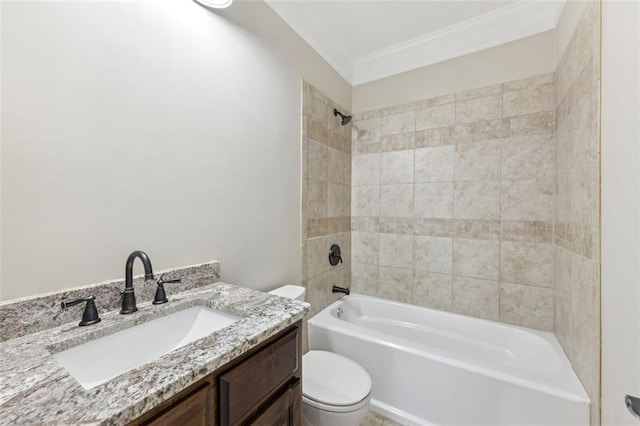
100, 360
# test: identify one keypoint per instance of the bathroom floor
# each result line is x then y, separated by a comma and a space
374, 419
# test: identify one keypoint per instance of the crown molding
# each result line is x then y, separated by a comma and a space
503, 25
301, 18
509, 23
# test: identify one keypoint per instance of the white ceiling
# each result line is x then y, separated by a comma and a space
365, 40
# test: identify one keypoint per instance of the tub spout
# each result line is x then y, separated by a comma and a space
337, 289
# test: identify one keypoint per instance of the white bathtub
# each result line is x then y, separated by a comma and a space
437, 368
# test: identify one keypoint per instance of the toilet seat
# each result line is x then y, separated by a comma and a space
332, 382
335, 408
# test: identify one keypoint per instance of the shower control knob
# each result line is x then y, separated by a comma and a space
334, 255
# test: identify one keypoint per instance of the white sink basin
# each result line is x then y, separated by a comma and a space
100, 360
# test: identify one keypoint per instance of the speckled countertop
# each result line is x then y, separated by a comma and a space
35, 389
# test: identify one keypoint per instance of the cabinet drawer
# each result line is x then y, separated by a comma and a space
251, 383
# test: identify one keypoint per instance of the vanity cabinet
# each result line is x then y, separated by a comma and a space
261, 387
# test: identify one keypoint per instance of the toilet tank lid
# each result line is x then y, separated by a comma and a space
333, 379
290, 291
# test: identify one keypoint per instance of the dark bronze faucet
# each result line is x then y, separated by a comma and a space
128, 295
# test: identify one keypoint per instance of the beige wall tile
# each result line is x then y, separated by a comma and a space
562, 298
579, 51
433, 254
526, 306
318, 116
435, 116
533, 124
476, 258
365, 200
440, 100
337, 165
528, 231
338, 200
364, 247
432, 227
479, 109
478, 161
395, 109
435, 137
529, 100
434, 200
432, 290
578, 194
475, 297
526, 263
317, 160
395, 284
398, 123
537, 80
476, 229
477, 200
577, 132
527, 157
478, 93
365, 147
396, 225
482, 130
434, 164
316, 198
364, 224
316, 256
398, 142
527, 199
366, 130
396, 250
396, 200
364, 278
317, 294
396, 167
365, 169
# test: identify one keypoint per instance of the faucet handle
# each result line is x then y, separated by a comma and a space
161, 295
163, 281
90, 314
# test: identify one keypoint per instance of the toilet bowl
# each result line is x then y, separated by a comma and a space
335, 390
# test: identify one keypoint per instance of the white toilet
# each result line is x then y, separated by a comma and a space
335, 390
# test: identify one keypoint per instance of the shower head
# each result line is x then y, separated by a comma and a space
345, 118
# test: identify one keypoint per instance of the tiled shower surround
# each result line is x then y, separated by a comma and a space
326, 197
577, 204
483, 202
452, 202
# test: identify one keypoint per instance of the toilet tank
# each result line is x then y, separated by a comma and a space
290, 291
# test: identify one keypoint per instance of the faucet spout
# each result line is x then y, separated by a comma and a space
128, 295
146, 262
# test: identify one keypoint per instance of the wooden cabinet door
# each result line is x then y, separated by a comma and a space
193, 410
248, 386
286, 410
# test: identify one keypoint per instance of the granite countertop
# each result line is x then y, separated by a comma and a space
35, 389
